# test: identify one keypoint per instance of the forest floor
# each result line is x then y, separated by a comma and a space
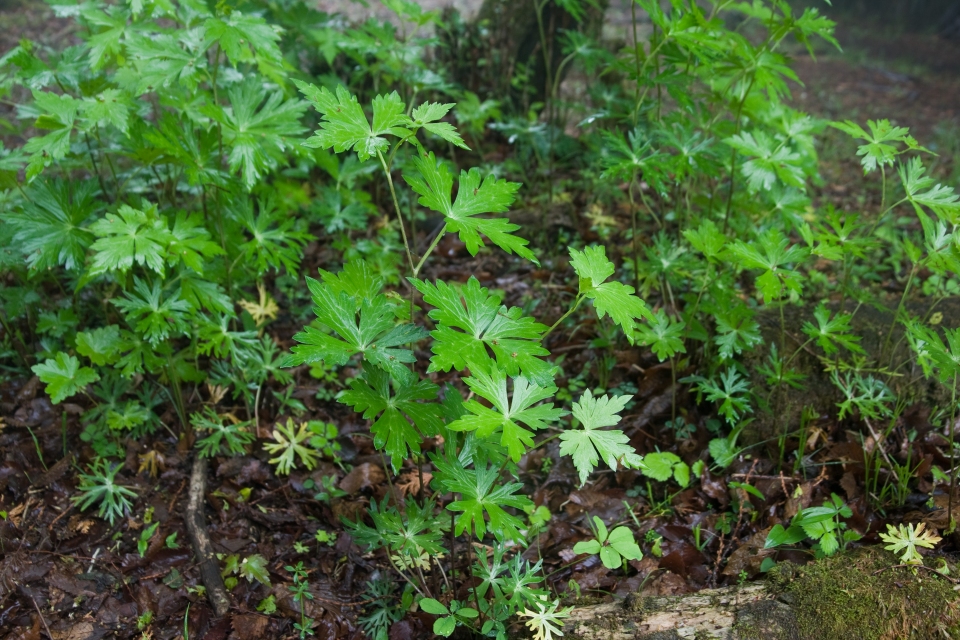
69, 575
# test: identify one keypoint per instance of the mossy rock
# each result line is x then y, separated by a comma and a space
859, 596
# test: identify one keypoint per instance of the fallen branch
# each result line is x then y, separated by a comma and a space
200, 540
851, 595
712, 613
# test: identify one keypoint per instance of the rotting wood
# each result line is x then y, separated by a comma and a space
200, 540
862, 593
712, 613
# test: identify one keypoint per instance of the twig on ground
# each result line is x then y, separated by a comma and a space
200, 540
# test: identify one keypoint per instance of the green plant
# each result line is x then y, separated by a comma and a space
226, 435
820, 524
291, 443
614, 548
301, 592
449, 615
252, 568
546, 621
905, 539
99, 485
145, 536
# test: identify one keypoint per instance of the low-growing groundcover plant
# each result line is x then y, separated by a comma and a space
166, 196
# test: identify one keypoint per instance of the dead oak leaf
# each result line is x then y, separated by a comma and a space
409, 483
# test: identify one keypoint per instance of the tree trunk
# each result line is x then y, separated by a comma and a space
862, 594
501, 53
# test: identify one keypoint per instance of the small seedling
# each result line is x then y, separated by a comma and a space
614, 548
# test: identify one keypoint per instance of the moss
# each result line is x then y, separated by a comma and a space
858, 595
766, 620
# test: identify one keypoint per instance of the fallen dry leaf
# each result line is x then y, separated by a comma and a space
363, 476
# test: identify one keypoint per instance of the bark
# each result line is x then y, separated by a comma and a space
200, 540
729, 613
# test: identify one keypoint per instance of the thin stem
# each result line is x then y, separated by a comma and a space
733, 156
93, 160
433, 245
396, 206
896, 315
636, 57
633, 224
953, 450
562, 318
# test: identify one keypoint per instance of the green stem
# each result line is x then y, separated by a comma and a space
396, 206
433, 245
953, 465
733, 156
562, 318
896, 315
633, 224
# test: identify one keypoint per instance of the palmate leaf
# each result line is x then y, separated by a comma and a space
663, 335
257, 131
426, 116
879, 150
481, 493
49, 230
155, 316
769, 161
588, 445
471, 320
58, 115
832, 333
939, 198
357, 278
174, 140
291, 442
345, 126
108, 29
247, 38
419, 529
190, 242
64, 376
905, 540
772, 255
736, 330
275, 242
112, 345
102, 345
506, 416
131, 236
732, 403
613, 298
932, 353
475, 196
162, 59
392, 431
361, 326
